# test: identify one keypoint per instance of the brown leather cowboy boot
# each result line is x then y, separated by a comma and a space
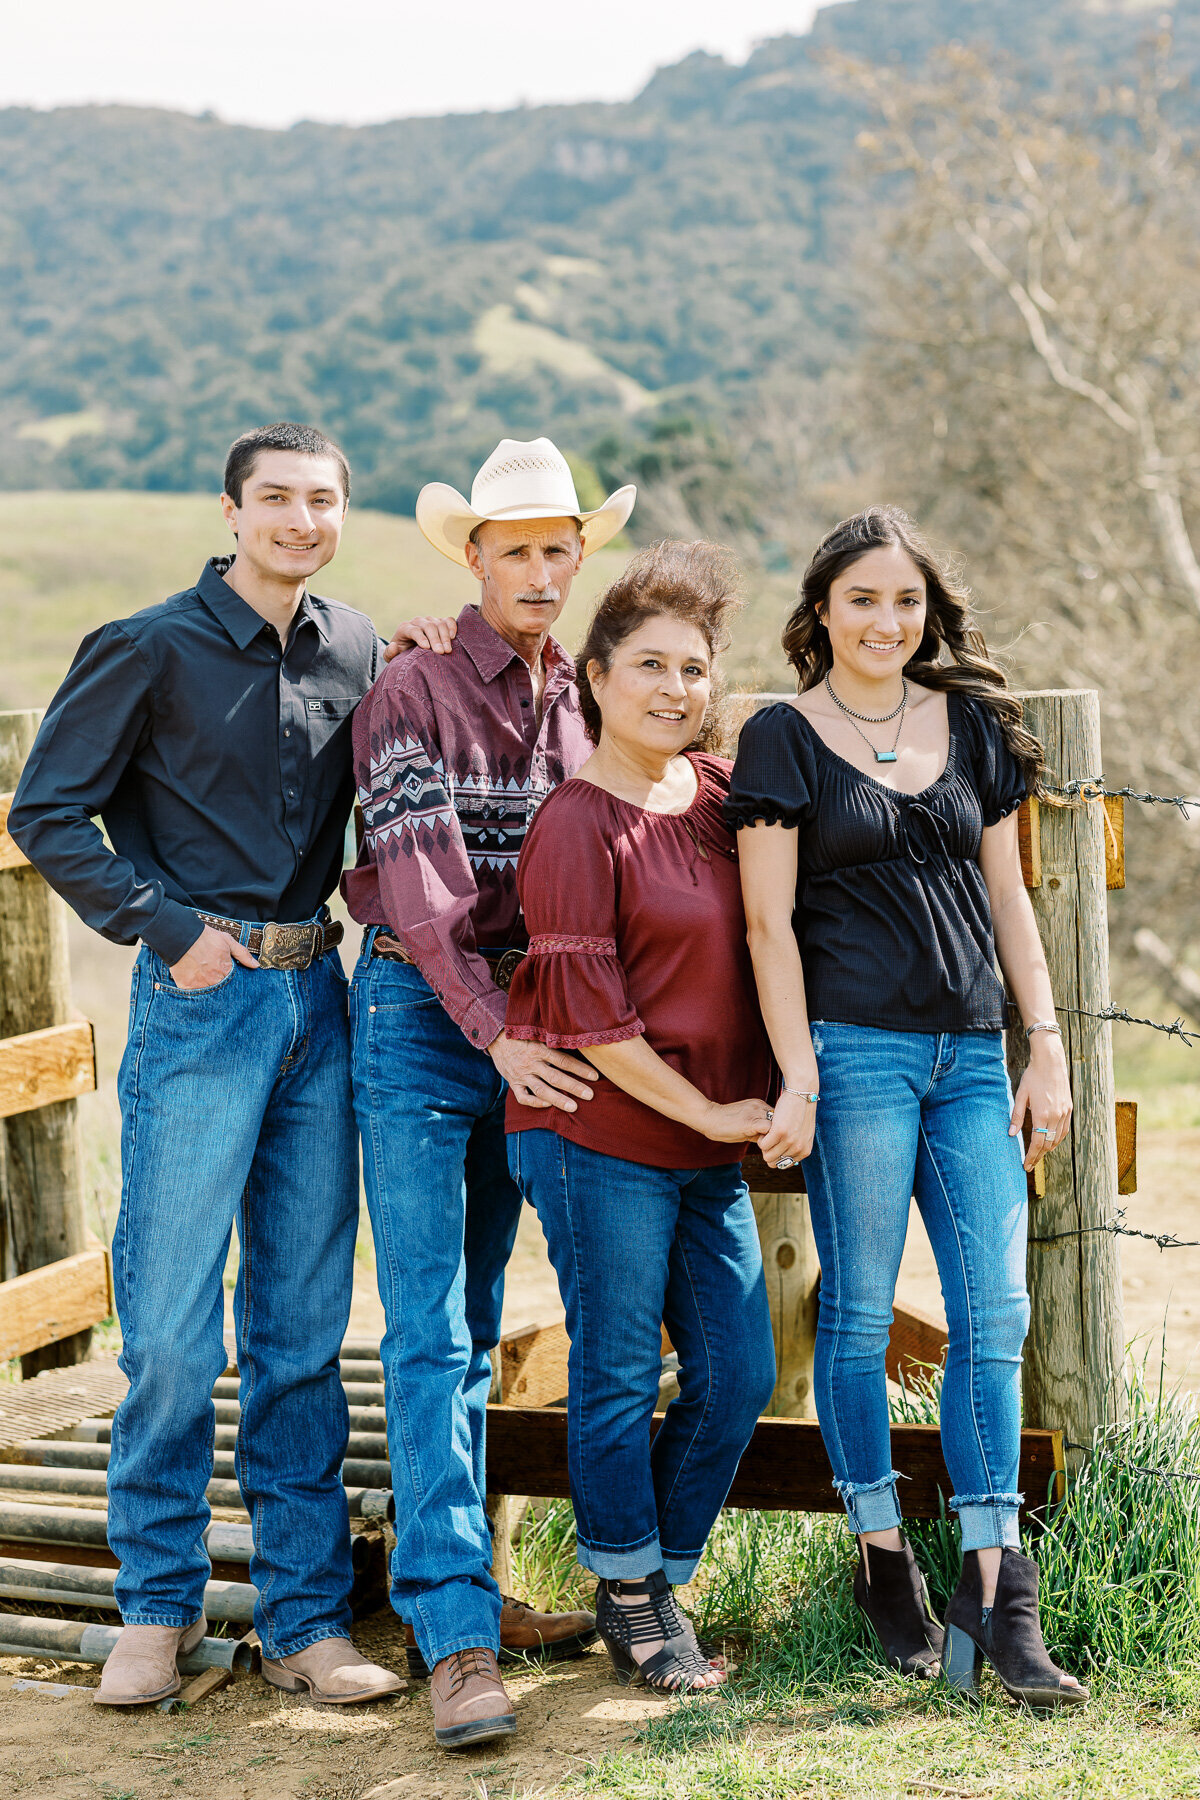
524, 1634
141, 1664
469, 1700
333, 1672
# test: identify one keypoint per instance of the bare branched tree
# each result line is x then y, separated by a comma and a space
1030, 388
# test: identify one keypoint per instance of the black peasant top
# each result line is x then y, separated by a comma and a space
892, 914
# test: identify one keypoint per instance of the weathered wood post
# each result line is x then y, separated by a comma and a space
793, 1288
1075, 1351
42, 1170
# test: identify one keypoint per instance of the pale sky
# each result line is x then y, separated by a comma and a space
360, 60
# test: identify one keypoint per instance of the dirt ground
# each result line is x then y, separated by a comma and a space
251, 1743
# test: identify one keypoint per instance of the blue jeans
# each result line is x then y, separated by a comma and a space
904, 1114
444, 1212
634, 1248
235, 1104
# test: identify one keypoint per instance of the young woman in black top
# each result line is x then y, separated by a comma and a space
882, 878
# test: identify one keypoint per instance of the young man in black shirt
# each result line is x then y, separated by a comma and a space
211, 734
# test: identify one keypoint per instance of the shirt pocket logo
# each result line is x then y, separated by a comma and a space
329, 719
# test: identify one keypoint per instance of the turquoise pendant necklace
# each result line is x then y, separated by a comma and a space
881, 756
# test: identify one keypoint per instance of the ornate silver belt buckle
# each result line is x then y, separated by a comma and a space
289, 946
506, 968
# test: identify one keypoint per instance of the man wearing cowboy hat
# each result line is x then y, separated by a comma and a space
453, 755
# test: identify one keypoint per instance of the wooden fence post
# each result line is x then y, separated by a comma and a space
1075, 1352
42, 1172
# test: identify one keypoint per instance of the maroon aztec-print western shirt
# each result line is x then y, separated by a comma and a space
451, 766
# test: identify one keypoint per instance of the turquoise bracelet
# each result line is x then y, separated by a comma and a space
800, 1095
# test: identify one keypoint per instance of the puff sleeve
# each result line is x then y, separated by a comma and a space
570, 991
774, 777
999, 778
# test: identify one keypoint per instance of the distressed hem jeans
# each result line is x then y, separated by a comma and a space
636, 1247
444, 1212
235, 1109
922, 1115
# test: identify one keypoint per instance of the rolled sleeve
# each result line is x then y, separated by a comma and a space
90, 734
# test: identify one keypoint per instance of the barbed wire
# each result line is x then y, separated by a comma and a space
1166, 1240
1134, 1468
1094, 787
1120, 1016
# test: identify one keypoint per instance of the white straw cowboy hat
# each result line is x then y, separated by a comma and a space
518, 481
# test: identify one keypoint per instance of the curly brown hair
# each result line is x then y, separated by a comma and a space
697, 583
952, 656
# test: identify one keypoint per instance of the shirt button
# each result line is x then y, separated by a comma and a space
524, 703
474, 1034
287, 731
291, 793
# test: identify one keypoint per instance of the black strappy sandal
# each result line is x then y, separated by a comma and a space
679, 1665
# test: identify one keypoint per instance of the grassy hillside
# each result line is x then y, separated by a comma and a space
68, 561
425, 286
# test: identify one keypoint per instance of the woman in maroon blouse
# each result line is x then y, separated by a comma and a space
637, 955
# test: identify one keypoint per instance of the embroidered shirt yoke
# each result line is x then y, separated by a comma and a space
451, 766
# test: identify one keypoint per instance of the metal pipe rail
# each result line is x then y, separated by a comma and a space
76, 1584
363, 1502
64, 1641
229, 1543
64, 1453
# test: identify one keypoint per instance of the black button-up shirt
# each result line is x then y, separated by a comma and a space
219, 760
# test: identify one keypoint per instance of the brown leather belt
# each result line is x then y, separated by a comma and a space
283, 946
503, 963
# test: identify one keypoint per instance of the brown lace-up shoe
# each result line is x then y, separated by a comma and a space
333, 1672
524, 1634
469, 1700
141, 1665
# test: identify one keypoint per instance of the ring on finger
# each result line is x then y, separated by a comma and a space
786, 1162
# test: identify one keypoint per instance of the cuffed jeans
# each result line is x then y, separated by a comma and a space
235, 1103
636, 1247
912, 1114
444, 1211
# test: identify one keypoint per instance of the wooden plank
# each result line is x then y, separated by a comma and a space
41, 1067
533, 1364
1114, 840
10, 856
785, 1467
42, 1167
1127, 1146
917, 1344
1029, 838
54, 1302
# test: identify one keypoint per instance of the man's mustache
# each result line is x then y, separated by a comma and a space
550, 593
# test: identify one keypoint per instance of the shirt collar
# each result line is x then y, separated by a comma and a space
241, 621
491, 653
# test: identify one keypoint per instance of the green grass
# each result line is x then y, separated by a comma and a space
810, 1710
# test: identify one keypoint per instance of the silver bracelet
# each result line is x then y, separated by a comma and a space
1043, 1025
801, 1095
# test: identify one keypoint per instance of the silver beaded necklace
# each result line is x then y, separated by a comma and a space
881, 756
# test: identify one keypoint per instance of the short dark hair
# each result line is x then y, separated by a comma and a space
245, 451
695, 583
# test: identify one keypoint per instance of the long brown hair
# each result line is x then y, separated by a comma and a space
952, 657
697, 583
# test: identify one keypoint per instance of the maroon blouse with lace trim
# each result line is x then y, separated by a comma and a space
636, 925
